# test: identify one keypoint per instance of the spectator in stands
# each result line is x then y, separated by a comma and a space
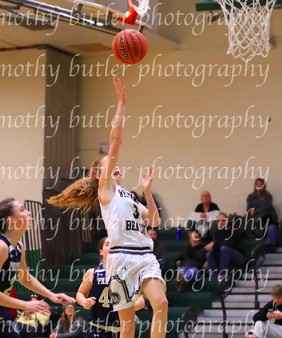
250, 334
135, 195
159, 249
71, 324
226, 250
203, 216
268, 320
190, 262
261, 218
31, 324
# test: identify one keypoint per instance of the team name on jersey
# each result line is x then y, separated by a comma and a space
101, 280
124, 193
131, 225
14, 266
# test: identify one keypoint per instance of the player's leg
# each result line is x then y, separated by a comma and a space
154, 290
127, 322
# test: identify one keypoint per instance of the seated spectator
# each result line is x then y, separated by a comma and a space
31, 324
190, 262
159, 249
268, 320
203, 216
250, 334
261, 218
26, 324
71, 324
226, 250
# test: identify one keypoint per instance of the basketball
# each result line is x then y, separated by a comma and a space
129, 46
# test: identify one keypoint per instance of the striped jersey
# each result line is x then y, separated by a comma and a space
124, 223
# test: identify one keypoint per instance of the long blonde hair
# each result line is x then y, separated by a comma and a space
64, 320
82, 194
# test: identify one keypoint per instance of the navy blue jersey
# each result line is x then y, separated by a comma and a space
9, 272
102, 314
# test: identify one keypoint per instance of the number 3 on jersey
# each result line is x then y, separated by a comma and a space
136, 212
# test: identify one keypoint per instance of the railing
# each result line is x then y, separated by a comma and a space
32, 238
32, 241
258, 257
61, 238
224, 291
186, 323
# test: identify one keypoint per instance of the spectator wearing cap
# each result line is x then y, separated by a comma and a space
250, 334
268, 320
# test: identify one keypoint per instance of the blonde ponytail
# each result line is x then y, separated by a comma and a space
82, 194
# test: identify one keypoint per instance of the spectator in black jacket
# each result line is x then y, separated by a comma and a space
159, 249
264, 325
261, 217
226, 249
203, 216
191, 261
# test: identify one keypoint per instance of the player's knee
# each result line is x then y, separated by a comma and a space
160, 304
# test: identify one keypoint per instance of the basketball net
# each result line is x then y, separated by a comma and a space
143, 7
248, 27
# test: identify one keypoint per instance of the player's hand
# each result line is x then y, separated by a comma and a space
89, 302
120, 90
38, 306
61, 298
147, 180
203, 215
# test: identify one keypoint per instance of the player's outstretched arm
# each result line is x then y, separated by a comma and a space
31, 283
106, 181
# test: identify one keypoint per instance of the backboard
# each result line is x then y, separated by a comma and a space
108, 16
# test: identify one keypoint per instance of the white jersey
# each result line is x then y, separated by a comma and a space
124, 224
